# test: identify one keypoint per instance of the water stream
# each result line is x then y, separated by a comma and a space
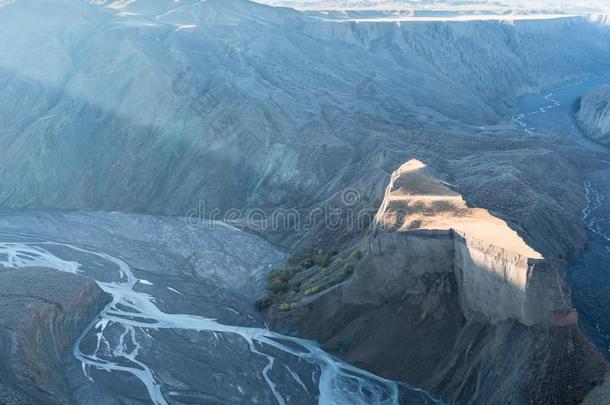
123, 340
551, 113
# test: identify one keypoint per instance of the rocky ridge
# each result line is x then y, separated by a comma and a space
427, 275
208, 99
593, 114
42, 313
499, 274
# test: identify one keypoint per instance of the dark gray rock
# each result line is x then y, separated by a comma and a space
42, 313
472, 320
593, 114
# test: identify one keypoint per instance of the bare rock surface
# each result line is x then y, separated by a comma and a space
242, 105
594, 114
42, 313
414, 199
474, 317
499, 275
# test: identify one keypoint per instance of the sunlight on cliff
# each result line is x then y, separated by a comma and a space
415, 200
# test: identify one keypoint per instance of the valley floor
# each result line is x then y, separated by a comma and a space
181, 327
550, 113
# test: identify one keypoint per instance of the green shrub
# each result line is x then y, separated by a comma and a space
287, 307
322, 259
346, 270
313, 290
263, 303
357, 254
278, 280
277, 286
284, 275
307, 263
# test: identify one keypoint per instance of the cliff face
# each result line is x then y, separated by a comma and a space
594, 114
499, 275
42, 313
451, 298
498, 284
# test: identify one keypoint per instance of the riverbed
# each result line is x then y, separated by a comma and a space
551, 113
182, 327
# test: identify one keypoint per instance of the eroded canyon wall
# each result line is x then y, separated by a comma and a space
593, 114
449, 297
42, 313
497, 284
251, 106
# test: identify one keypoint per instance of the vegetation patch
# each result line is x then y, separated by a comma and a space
287, 307
277, 282
311, 275
264, 303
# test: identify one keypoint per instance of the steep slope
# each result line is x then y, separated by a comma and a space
593, 114
499, 276
181, 327
165, 106
243, 105
42, 313
450, 298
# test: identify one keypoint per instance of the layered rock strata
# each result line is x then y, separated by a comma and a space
451, 298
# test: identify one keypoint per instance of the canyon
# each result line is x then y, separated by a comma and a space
459, 279
179, 328
145, 146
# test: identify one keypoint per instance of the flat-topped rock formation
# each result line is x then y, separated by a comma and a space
500, 276
42, 313
450, 298
414, 199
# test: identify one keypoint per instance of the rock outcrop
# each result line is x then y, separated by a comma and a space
42, 313
450, 298
499, 276
593, 114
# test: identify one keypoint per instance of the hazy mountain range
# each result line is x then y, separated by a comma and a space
448, 5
